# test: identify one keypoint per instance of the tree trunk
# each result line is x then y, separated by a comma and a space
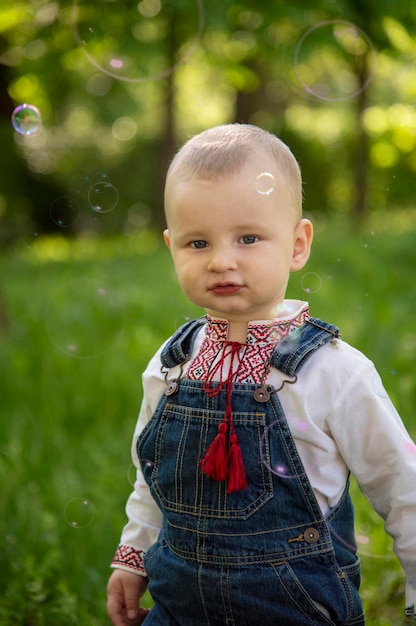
361, 164
167, 145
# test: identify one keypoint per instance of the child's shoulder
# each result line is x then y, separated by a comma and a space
177, 348
337, 362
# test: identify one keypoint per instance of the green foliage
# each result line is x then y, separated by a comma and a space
121, 84
69, 403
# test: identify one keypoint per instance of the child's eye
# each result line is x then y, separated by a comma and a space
199, 244
247, 239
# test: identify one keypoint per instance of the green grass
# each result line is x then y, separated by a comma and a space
79, 322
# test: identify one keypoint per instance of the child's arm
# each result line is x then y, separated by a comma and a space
359, 429
381, 455
128, 582
124, 591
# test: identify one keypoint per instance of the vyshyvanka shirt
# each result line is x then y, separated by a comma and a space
251, 367
340, 417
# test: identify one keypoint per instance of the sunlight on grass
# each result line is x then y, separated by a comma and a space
55, 248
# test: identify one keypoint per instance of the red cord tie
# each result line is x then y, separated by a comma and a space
223, 459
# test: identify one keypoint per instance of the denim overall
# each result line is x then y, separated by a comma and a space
261, 556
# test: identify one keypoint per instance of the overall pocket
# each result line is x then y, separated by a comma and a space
319, 591
171, 447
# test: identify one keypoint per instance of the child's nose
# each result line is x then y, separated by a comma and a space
222, 259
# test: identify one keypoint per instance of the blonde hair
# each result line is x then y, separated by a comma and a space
224, 149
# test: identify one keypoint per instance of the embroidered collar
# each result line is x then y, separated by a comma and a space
262, 337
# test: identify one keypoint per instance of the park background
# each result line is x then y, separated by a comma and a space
87, 291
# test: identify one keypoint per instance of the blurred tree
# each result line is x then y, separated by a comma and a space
291, 59
120, 85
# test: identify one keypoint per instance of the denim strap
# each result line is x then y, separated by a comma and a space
295, 350
179, 347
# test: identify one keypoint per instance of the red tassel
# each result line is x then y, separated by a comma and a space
214, 464
219, 461
237, 479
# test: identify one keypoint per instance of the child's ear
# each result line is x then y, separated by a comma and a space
302, 244
166, 237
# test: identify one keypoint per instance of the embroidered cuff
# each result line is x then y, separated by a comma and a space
410, 601
129, 559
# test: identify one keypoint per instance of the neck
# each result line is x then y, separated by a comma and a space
237, 328
237, 331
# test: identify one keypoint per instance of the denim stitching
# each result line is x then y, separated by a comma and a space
201, 592
303, 592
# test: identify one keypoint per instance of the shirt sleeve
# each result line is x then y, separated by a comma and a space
144, 517
381, 455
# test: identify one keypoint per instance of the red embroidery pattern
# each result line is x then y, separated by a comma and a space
260, 343
129, 557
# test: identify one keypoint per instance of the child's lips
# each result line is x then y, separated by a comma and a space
226, 289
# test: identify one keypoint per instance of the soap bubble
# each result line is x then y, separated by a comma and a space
147, 463
265, 183
132, 474
279, 467
329, 58
338, 270
86, 182
26, 119
288, 340
180, 321
103, 197
311, 282
368, 239
368, 542
83, 318
137, 481
79, 512
64, 211
26, 242
86, 34
131, 43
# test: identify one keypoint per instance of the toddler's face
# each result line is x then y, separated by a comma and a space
233, 248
